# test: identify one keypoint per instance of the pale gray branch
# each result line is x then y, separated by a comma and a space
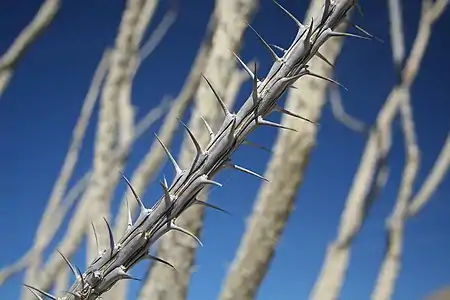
434, 179
22, 43
341, 115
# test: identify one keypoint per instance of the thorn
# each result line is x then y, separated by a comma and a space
136, 196
165, 181
181, 229
149, 256
327, 79
278, 48
249, 143
242, 169
125, 275
219, 99
172, 160
41, 291
111, 238
198, 148
167, 197
96, 238
273, 124
290, 113
246, 68
271, 51
320, 55
346, 34
76, 272
130, 221
366, 33
205, 180
297, 22
210, 131
35, 294
199, 202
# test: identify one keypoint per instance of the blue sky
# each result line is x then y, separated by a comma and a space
41, 105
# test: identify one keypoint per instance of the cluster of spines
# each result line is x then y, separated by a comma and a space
112, 264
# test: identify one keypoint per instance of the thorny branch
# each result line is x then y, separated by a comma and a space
112, 264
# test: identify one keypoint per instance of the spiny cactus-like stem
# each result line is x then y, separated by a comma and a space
113, 263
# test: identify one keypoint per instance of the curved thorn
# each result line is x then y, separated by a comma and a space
175, 227
327, 79
149, 256
81, 277
290, 113
245, 170
198, 148
278, 47
35, 294
219, 99
297, 22
271, 51
246, 68
172, 160
273, 124
322, 57
76, 272
205, 180
366, 32
199, 202
136, 196
96, 238
111, 238
41, 291
210, 131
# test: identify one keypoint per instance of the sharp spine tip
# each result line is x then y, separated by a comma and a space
199, 202
293, 18
40, 291
219, 99
178, 170
175, 227
245, 170
273, 124
266, 45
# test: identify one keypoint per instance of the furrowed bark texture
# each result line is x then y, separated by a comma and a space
154, 158
331, 278
285, 173
26, 38
230, 15
122, 254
